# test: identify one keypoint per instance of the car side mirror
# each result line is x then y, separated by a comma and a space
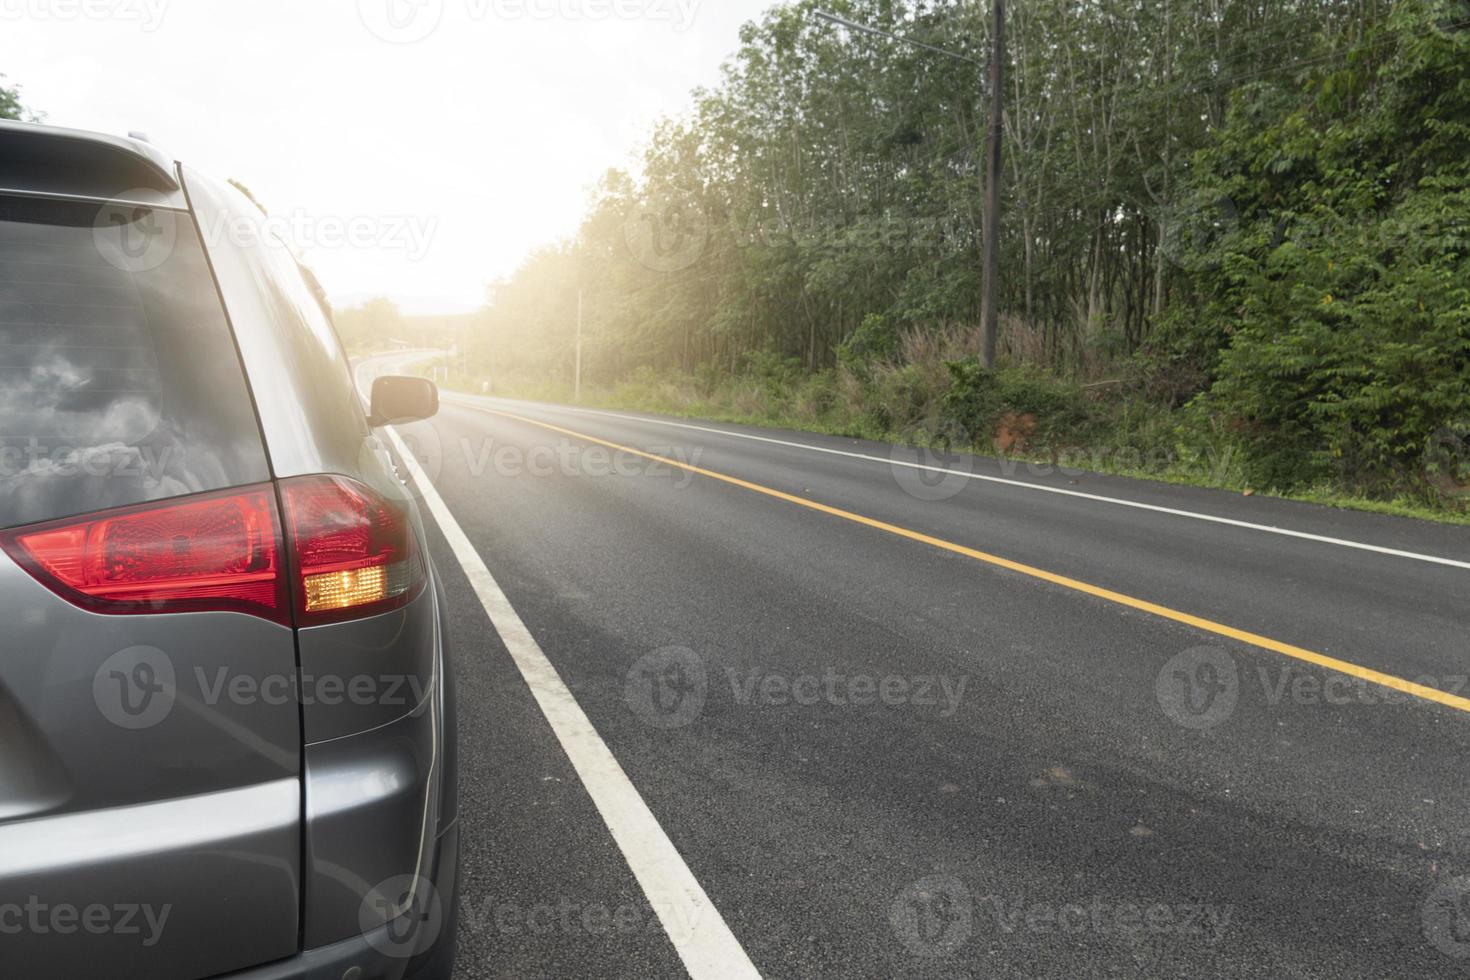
400, 400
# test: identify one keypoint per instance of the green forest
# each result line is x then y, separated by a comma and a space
1235, 243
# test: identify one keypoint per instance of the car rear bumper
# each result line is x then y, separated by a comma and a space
384, 953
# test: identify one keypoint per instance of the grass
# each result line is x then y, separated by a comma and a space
1099, 429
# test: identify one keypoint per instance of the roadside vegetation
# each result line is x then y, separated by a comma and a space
1236, 249
933, 395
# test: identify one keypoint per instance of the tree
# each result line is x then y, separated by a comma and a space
371, 326
10, 105
820, 207
835, 180
1343, 299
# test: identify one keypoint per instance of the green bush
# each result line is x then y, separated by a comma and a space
875, 339
1345, 294
979, 399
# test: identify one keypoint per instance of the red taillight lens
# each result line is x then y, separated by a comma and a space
352, 555
354, 551
218, 552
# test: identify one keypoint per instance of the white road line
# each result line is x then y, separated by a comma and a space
471, 401
699, 933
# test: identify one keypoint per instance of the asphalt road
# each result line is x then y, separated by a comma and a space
884, 752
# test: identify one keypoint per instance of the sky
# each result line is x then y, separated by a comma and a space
414, 149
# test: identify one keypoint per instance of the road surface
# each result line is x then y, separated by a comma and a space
738, 702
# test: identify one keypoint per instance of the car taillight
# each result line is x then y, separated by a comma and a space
217, 552
353, 552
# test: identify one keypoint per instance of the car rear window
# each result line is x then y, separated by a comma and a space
119, 379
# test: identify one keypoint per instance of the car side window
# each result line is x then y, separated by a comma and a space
311, 413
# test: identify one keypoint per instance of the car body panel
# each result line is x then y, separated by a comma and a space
371, 810
159, 785
366, 674
69, 163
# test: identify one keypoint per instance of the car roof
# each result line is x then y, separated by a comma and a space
51, 161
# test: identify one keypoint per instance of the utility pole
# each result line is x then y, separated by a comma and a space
990, 234
577, 373
989, 301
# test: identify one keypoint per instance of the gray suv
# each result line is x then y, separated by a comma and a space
227, 735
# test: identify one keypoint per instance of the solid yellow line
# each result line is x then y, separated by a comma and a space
1163, 612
